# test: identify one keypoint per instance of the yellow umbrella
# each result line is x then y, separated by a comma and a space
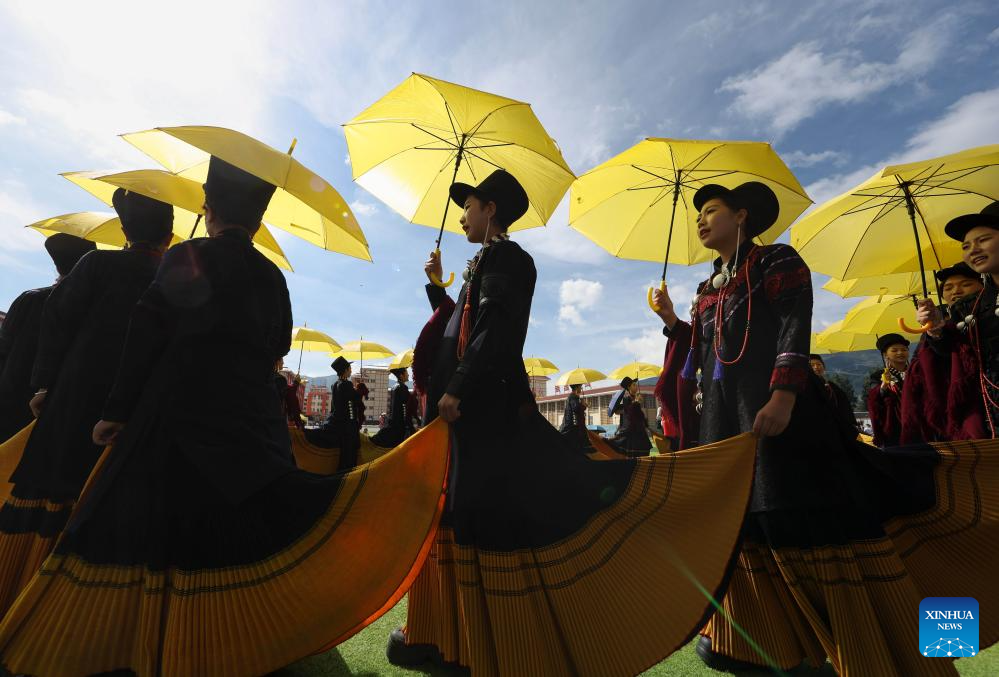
408, 147
894, 222
102, 228
403, 360
814, 347
879, 285
539, 366
639, 204
304, 204
579, 376
636, 370
312, 340
186, 196
874, 316
834, 340
358, 350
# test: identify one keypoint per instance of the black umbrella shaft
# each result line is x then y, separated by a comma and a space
454, 177
196, 222
910, 206
672, 217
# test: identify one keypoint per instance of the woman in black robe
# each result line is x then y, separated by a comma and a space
19, 336
884, 400
82, 334
573, 426
632, 435
197, 548
542, 560
400, 420
841, 541
342, 429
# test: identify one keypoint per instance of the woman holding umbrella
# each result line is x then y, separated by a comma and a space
884, 400
972, 340
812, 515
533, 570
632, 436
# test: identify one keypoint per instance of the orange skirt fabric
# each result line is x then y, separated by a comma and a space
856, 603
10, 456
77, 617
616, 597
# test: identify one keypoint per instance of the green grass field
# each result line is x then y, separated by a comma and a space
364, 655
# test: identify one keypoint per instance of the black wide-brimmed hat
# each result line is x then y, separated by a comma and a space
239, 198
962, 269
143, 219
888, 340
958, 228
339, 364
500, 187
626, 382
397, 372
759, 201
65, 250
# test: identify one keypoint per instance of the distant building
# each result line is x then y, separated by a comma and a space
597, 400
539, 386
377, 381
3, 316
316, 404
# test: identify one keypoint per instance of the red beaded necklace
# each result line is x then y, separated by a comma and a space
983, 381
720, 318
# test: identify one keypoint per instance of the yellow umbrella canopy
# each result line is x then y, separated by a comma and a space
359, 350
639, 204
313, 340
186, 196
834, 339
894, 222
814, 348
403, 360
305, 204
875, 316
539, 366
102, 228
408, 147
579, 376
636, 370
879, 285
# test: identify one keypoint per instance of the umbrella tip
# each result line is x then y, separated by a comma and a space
291, 148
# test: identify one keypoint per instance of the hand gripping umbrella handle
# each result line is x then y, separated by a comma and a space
909, 330
437, 281
652, 304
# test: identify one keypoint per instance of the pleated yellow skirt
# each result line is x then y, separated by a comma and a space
615, 598
352, 565
858, 603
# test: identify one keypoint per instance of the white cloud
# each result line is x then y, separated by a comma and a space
968, 122
16, 211
650, 346
994, 36
560, 242
798, 158
8, 118
361, 208
576, 295
798, 84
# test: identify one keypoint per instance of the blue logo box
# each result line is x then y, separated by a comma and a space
948, 627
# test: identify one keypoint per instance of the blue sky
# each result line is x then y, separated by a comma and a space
839, 88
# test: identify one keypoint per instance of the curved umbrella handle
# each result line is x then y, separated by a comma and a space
437, 281
909, 330
652, 304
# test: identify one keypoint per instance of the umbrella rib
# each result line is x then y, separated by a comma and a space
929, 238
439, 138
853, 254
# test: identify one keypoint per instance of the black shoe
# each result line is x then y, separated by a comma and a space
720, 662
407, 655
